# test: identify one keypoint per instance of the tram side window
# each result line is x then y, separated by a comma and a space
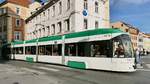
56, 50
31, 50
81, 49
41, 50
84, 49
71, 50
13, 50
48, 50
101, 49
18, 50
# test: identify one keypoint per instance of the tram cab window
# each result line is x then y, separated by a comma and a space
119, 50
122, 46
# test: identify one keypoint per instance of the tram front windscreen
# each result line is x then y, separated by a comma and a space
122, 47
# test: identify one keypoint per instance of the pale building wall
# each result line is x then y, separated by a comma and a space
75, 14
33, 7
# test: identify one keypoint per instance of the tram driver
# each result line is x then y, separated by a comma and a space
119, 51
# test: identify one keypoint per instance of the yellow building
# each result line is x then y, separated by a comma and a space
146, 42
12, 19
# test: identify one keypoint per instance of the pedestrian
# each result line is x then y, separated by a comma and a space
138, 57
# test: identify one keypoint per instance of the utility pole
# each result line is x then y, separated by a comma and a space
63, 49
37, 40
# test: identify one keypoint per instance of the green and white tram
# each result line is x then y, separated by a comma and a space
102, 49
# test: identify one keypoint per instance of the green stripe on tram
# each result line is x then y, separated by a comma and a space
50, 38
31, 41
72, 35
92, 32
17, 42
29, 59
76, 64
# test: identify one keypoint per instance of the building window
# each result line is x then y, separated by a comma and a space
60, 7
48, 30
121, 25
18, 22
5, 28
17, 35
127, 30
96, 24
85, 24
17, 10
96, 7
59, 27
68, 4
53, 28
43, 32
53, 11
0, 29
48, 14
67, 25
39, 33
85, 4
43, 13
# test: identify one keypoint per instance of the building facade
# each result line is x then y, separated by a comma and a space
146, 42
12, 19
133, 32
59, 17
140, 41
33, 7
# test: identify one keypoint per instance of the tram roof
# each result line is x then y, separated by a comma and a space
72, 35
92, 32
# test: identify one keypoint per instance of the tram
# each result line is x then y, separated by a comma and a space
100, 49
5, 51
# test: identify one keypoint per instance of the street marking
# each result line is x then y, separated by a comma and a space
143, 70
49, 69
33, 71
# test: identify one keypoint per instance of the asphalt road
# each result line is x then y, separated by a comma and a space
20, 72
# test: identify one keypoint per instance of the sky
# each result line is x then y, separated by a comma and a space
134, 12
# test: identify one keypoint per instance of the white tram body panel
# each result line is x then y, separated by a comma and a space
50, 59
109, 64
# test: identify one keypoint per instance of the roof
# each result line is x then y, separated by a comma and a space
24, 3
128, 25
50, 3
